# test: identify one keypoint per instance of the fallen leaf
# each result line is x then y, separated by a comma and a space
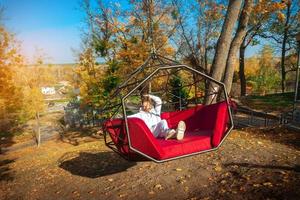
158, 186
151, 192
122, 195
268, 184
218, 168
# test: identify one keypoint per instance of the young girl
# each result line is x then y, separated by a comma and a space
151, 116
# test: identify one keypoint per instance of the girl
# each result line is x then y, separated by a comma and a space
151, 116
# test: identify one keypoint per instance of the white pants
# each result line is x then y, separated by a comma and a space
161, 129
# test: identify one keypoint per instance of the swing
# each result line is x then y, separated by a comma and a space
187, 94
206, 112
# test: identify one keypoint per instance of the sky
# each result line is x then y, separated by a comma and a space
51, 27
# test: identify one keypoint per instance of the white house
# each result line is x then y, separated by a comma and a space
48, 90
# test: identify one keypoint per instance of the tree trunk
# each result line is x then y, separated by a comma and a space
242, 69
38, 129
223, 44
236, 43
224, 41
283, 48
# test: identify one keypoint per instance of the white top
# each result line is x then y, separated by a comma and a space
152, 117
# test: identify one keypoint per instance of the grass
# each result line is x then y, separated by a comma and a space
60, 100
270, 102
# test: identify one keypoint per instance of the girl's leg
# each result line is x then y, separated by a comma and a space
161, 129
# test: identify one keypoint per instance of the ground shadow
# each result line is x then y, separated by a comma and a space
5, 171
249, 165
284, 136
278, 134
78, 136
94, 165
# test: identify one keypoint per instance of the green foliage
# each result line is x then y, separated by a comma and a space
267, 78
100, 46
174, 14
178, 92
111, 80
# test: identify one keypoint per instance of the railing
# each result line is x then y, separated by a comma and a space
245, 117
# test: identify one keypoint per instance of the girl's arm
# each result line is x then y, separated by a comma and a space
158, 103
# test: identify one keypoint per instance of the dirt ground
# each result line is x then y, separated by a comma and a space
251, 164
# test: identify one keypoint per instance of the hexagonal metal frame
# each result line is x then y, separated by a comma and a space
177, 65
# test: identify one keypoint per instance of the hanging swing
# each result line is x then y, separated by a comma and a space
205, 110
187, 94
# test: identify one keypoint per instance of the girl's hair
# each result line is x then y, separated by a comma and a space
147, 99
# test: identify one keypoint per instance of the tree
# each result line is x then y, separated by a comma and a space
224, 40
179, 94
10, 92
282, 30
223, 45
124, 39
236, 43
267, 77
257, 27
199, 25
31, 79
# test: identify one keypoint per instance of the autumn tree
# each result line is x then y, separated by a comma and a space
124, 37
267, 77
257, 27
31, 79
282, 30
10, 93
199, 26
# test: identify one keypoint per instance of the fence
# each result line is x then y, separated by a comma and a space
77, 116
245, 117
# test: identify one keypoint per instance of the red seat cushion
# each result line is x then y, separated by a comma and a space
212, 117
206, 126
191, 143
142, 139
116, 130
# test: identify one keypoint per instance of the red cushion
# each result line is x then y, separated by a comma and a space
220, 126
212, 117
116, 130
206, 126
191, 143
142, 139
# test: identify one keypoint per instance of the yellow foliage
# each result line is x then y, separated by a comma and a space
33, 102
281, 17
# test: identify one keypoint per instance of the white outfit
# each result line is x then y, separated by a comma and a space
152, 118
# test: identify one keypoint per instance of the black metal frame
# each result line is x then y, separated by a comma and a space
297, 75
170, 64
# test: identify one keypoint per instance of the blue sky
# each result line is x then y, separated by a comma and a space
53, 26
50, 25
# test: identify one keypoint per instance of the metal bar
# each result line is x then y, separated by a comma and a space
174, 61
297, 75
